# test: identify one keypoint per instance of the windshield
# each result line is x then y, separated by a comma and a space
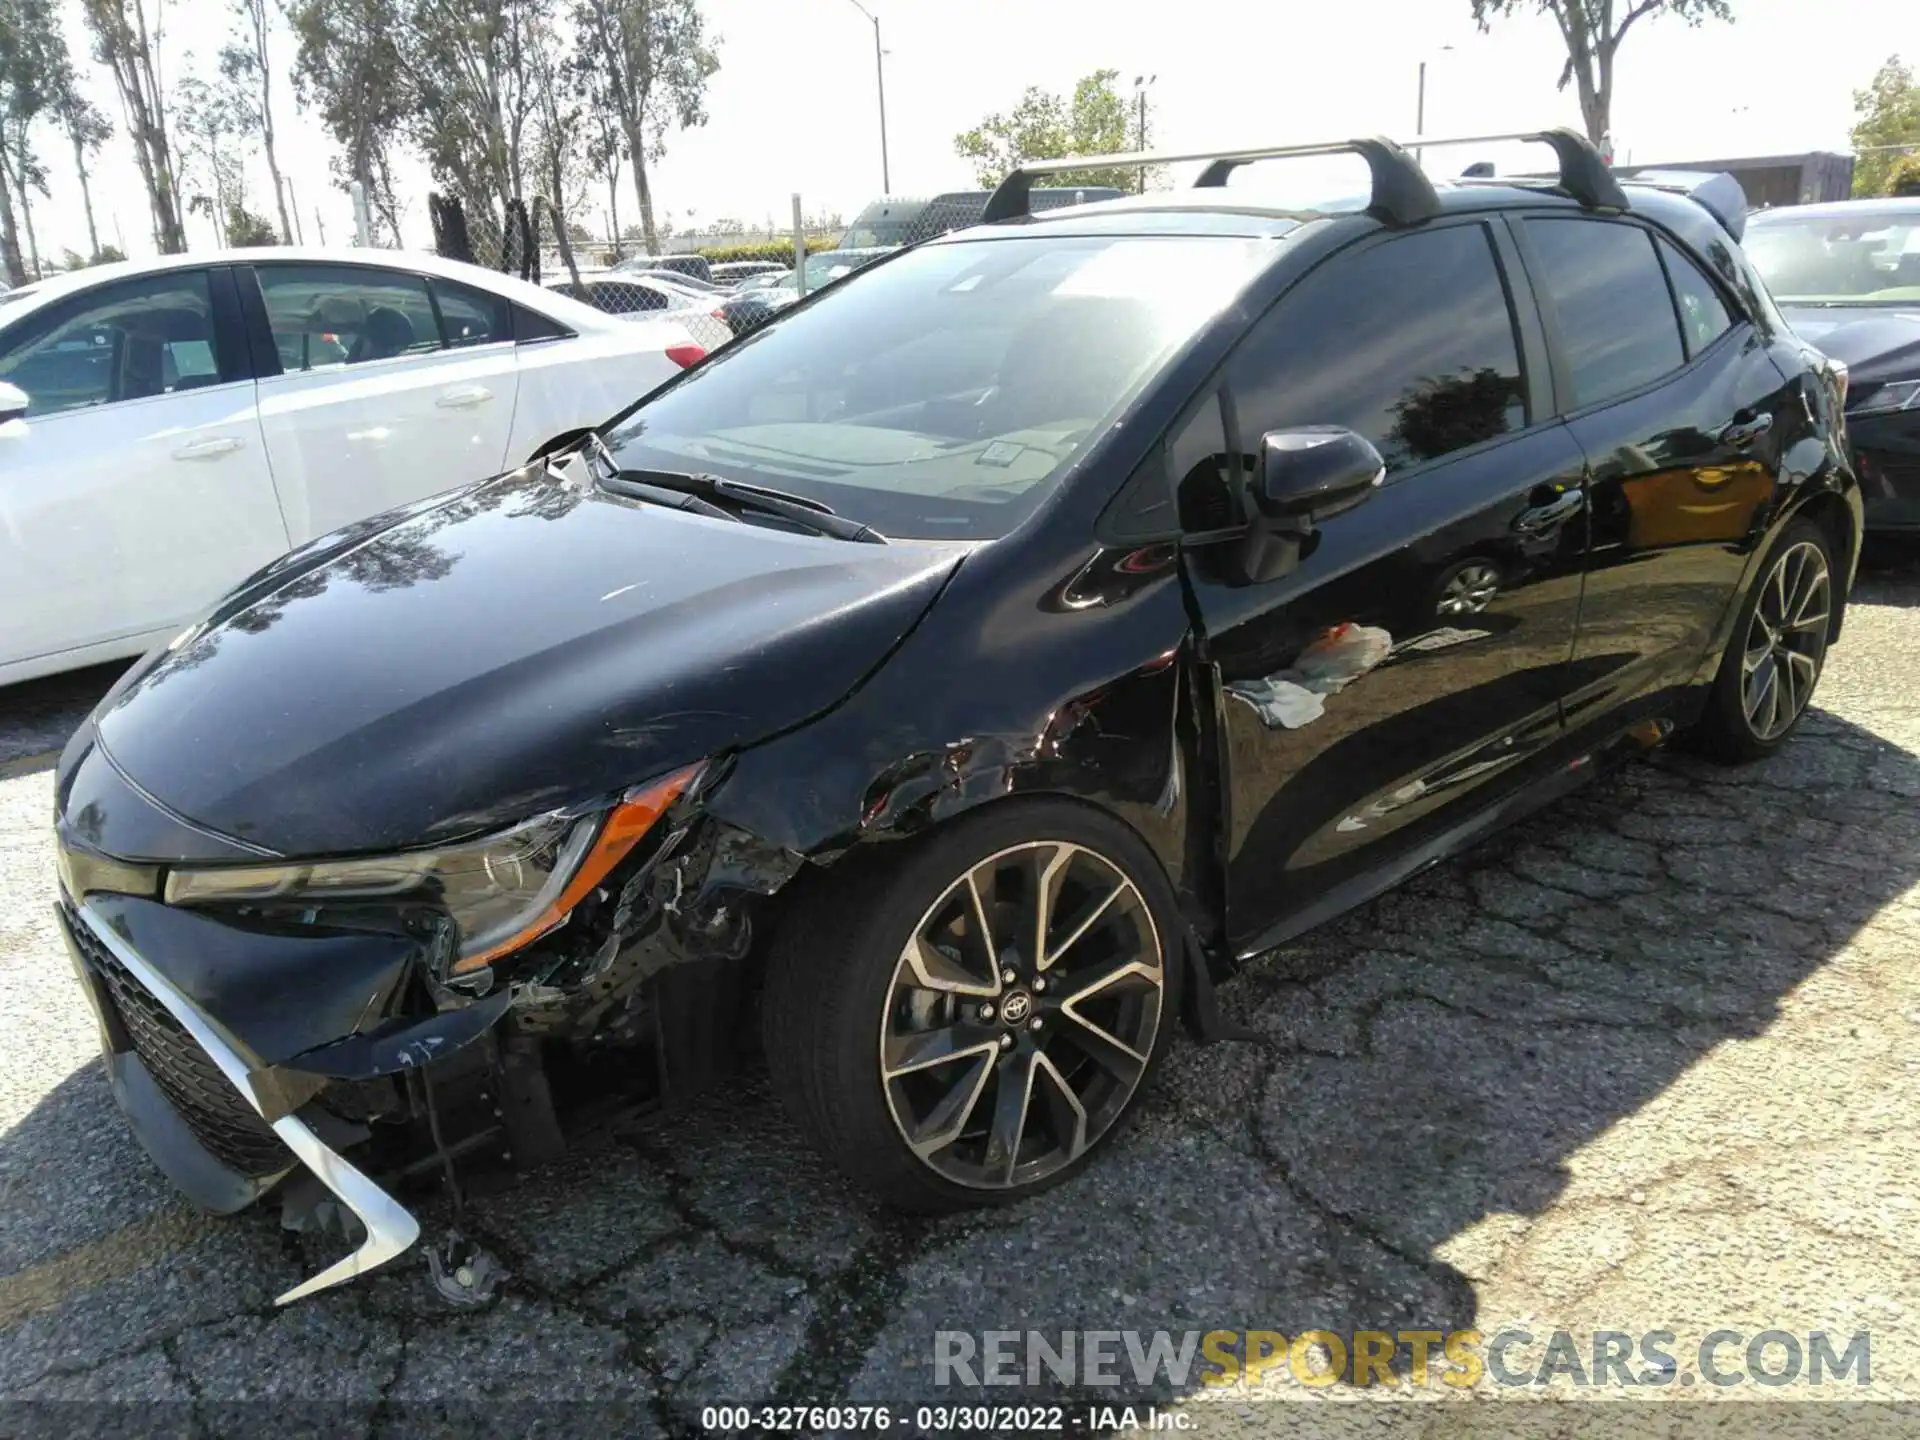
940, 394
1868, 258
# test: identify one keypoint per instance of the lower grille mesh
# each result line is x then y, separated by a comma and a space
218, 1114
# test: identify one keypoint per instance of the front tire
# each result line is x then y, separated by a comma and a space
1778, 649
966, 1022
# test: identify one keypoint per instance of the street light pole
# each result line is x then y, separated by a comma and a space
1420, 113
1420, 110
880, 80
1140, 84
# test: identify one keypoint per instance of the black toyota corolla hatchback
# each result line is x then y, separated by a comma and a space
949, 683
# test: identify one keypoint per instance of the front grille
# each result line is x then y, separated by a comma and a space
218, 1114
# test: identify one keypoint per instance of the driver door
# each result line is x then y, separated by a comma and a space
1403, 671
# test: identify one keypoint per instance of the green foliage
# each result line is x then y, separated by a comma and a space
71, 259
1905, 179
775, 251
1095, 120
1889, 114
650, 61
347, 66
246, 228
33, 58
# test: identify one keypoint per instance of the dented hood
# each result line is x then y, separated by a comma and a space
521, 645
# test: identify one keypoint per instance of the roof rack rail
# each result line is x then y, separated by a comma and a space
1402, 194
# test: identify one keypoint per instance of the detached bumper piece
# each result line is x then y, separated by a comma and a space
195, 1107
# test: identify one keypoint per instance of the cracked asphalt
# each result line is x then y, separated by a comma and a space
1648, 1062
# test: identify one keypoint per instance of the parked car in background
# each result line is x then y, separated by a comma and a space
694, 265
952, 683
679, 278
1767, 180
1847, 276
183, 421
733, 272
896, 220
642, 295
744, 310
823, 268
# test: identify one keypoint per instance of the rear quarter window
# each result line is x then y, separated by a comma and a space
1608, 294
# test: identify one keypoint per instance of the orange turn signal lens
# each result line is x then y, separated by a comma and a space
626, 825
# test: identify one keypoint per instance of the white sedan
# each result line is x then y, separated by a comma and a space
169, 426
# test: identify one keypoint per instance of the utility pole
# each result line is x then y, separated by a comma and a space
1140, 84
880, 81
293, 209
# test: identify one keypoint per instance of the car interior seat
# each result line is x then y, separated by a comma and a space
387, 333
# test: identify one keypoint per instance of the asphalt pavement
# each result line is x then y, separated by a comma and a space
1648, 1062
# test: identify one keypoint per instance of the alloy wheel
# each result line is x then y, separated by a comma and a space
1022, 1015
1786, 640
1470, 589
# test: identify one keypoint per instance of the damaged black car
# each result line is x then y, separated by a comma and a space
943, 688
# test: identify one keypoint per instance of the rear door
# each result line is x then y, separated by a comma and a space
1677, 404
391, 386
136, 489
1406, 671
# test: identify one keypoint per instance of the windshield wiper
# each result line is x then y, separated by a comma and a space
717, 493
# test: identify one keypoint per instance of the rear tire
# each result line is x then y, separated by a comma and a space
1777, 651
897, 1041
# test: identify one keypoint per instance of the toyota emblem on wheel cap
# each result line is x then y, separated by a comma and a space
1015, 1007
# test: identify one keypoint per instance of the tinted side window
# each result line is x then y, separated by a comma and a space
471, 317
129, 341
326, 315
527, 326
1703, 314
1200, 466
1607, 290
1410, 343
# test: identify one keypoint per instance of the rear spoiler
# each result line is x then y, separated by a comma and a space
1718, 193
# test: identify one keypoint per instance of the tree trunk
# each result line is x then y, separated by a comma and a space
257, 13
273, 170
152, 132
642, 190
10, 234
86, 196
613, 210
26, 219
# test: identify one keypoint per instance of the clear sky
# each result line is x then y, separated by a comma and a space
793, 105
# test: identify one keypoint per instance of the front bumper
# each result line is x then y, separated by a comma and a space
186, 1149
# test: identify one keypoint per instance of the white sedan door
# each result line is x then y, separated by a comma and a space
136, 488
392, 387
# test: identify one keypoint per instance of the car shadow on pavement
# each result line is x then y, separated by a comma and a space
37, 716
1427, 1076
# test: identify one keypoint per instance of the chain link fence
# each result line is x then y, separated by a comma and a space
711, 302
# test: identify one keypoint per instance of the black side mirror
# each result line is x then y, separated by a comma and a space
13, 403
1315, 471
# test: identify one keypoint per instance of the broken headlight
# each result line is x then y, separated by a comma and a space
502, 891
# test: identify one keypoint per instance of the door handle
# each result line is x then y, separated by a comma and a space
463, 397
1744, 432
1539, 518
208, 448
